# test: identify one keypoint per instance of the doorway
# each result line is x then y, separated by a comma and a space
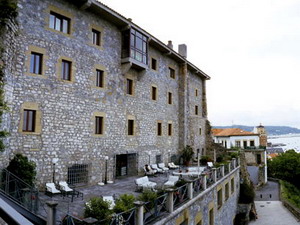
126, 165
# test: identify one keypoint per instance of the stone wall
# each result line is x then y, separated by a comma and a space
66, 109
197, 209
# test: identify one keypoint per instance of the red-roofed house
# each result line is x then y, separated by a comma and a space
235, 137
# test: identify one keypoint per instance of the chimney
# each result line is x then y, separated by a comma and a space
129, 19
182, 50
170, 45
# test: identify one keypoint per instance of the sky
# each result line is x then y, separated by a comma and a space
249, 48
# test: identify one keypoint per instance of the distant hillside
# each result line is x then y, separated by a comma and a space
271, 130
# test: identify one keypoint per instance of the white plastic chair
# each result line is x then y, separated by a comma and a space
64, 186
50, 188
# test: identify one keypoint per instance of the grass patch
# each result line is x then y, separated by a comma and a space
290, 193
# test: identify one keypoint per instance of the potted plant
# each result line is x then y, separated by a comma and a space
187, 154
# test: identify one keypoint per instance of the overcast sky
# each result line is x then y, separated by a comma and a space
250, 48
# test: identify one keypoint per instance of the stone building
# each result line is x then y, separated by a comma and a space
93, 96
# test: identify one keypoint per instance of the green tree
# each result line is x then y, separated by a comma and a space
22, 168
124, 203
286, 167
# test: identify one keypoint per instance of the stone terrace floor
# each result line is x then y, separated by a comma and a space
75, 208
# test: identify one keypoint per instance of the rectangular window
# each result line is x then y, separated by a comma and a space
238, 144
196, 92
169, 98
220, 198
98, 125
196, 110
59, 23
169, 129
154, 93
129, 86
36, 62
138, 46
100, 78
153, 64
66, 70
199, 223
226, 191
172, 72
200, 131
96, 37
211, 217
258, 158
252, 143
29, 120
232, 185
130, 127
159, 129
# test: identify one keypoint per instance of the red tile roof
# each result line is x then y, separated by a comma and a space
231, 132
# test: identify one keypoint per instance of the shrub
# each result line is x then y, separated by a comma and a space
204, 159
247, 193
291, 193
97, 208
148, 196
220, 158
22, 168
124, 203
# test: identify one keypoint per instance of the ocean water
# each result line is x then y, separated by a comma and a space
291, 141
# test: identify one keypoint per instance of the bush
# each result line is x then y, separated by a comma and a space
22, 168
291, 193
124, 203
220, 158
97, 208
148, 196
204, 159
247, 193
187, 154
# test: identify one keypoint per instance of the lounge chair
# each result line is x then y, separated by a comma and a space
171, 165
171, 181
144, 183
63, 186
210, 164
110, 199
154, 167
149, 171
163, 167
51, 189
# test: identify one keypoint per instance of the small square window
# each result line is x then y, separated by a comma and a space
153, 64
154, 93
170, 98
36, 62
66, 70
129, 86
130, 128
159, 129
100, 78
172, 72
196, 110
99, 125
96, 37
29, 120
170, 129
59, 23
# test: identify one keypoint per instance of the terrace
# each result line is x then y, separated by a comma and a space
167, 201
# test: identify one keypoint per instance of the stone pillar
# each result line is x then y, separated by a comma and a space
204, 181
139, 212
190, 189
51, 217
222, 170
214, 174
229, 167
238, 161
234, 163
170, 204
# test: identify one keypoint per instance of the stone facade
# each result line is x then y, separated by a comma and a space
65, 110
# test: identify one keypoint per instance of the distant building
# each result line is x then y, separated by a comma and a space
263, 138
236, 138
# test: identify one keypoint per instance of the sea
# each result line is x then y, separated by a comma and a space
286, 142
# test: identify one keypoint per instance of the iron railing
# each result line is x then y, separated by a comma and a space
180, 195
23, 193
125, 218
219, 173
198, 185
153, 210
